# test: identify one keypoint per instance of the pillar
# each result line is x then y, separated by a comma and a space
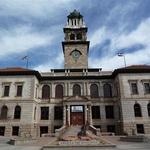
68, 115
64, 115
90, 115
86, 114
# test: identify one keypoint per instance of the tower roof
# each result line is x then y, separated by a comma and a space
75, 14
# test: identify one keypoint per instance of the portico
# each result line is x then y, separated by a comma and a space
77, 111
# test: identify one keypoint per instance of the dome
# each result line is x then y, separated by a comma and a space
75, 14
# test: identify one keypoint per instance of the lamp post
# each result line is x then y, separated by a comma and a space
122, 55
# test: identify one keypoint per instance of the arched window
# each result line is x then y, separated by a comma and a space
17, 113
107, 90
79, 36
148, 109
4, 112
59, 91
45, 92
72, 37
137, 110
94, 91
76, 90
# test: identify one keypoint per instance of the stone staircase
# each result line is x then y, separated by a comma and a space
72, 131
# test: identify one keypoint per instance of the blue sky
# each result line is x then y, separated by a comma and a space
35, 28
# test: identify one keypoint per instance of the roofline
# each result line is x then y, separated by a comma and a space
18, 73
130, 70
86, 77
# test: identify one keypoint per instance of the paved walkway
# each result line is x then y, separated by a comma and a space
120, 146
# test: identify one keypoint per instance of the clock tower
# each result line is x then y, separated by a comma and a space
75, 44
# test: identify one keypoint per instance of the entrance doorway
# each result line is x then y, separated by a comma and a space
77, 115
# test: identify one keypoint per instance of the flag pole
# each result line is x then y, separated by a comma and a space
27, 60
124, 61
27, 63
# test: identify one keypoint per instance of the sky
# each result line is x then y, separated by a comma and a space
34, 28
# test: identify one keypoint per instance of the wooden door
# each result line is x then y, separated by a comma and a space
77, 118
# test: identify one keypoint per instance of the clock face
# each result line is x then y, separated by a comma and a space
76, 54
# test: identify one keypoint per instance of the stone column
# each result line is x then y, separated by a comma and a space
64, 115
68, 116
69, 90
102, 112
86, 114
90, 115
66, 89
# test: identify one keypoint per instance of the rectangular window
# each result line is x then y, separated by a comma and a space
140, 128
134, 88
15, 131
111, 128
2, 130
43, 130
58, 113
109, 112
44, 113
6, 90
19, 90
147, 88
95, 112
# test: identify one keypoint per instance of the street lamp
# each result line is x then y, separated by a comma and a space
122, 55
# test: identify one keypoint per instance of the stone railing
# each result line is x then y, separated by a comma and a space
59, 132
94, 130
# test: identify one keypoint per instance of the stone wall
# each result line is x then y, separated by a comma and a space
82, 62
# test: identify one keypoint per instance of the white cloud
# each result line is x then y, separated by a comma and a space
141, 35
32, 8
20, 39
98, 37
55, 63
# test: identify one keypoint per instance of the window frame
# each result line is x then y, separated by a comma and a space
48, 95
146, 91
109, 114
78, 93
15, 132
137, 113
44, 113
59, 95
2, 115
16, 114
96, 113
94, 93
131, 82
148, 109
140, 127
17, 84
72, 37
79, 36
58, 115
6, 93
110, 95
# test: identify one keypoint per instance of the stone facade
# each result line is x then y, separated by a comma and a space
74, 95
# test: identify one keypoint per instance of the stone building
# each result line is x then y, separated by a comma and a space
34, 103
